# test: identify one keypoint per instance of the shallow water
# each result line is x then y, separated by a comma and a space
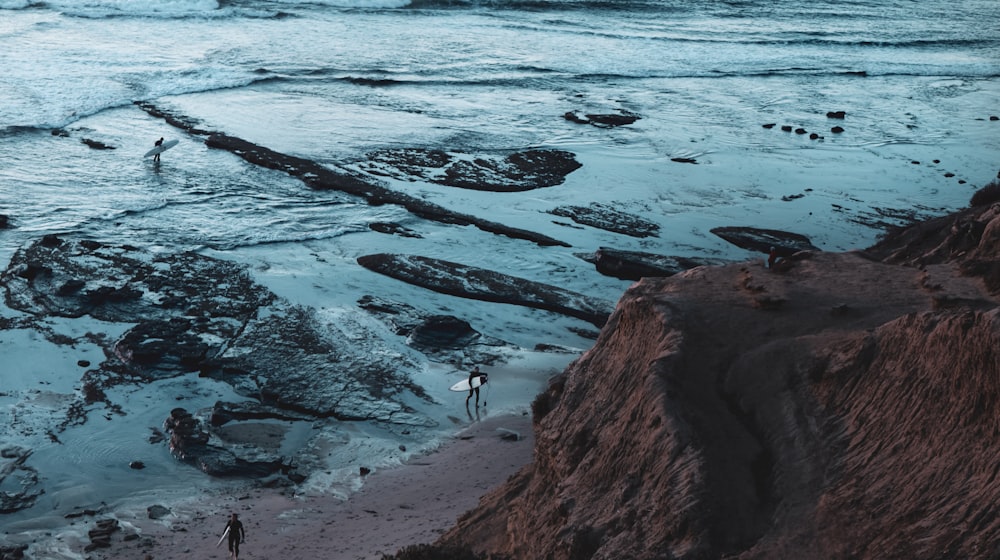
332, 81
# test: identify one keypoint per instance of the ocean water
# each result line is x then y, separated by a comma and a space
334, 80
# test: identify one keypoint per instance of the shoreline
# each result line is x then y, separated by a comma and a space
414, 503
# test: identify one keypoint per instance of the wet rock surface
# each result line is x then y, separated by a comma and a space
190, 442
519, 171
633, 265
191, 315
602, 216
760, 240
487, 285
319, 176
602, 120
19, 482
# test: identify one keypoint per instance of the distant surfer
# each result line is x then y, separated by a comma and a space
157, 144
234, 528
475, 388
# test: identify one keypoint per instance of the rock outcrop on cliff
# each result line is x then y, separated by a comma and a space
844, 406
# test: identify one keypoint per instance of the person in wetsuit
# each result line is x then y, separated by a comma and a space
236, 536
472, 375
158, 143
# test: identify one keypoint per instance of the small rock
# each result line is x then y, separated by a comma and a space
157, 511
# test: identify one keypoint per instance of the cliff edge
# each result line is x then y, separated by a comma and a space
838, 406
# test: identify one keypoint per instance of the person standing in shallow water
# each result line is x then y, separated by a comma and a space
472, 375
158, 143
236, 536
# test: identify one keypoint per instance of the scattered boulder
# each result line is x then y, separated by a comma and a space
836, 115
157, 511
100, 535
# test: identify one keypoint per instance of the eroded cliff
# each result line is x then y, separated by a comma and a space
840, 406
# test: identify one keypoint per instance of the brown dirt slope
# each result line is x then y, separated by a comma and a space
842, 406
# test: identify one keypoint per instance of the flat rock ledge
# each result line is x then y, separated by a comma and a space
476, 283
319, 176
634, 265
519, 171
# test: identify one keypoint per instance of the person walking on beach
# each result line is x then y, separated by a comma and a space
474, 389
158, 143
236, 536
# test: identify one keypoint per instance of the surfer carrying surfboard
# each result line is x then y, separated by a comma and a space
234, 528
474, 387
157, 144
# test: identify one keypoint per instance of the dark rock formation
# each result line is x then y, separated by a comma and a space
100, 535
857, 420
442, 331
486, 285
520, 171
19, 483
393, 229
193, 315
13, 552
97, 144
325, 177
157, 511
446, 338
189, 442
760, 240
633, 265
603, 120
604, 217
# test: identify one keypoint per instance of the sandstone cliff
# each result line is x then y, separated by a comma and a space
843, 406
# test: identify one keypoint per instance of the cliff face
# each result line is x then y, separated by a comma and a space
843, 406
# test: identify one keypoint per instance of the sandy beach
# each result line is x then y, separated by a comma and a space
411, 504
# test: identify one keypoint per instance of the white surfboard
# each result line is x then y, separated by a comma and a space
463, 385
222, 538
161, 148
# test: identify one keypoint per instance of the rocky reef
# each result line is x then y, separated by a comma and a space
846, 405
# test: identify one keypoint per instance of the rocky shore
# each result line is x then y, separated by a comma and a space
837, 406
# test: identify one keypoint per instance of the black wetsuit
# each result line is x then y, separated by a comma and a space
158, 143
236, 534
474, 390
